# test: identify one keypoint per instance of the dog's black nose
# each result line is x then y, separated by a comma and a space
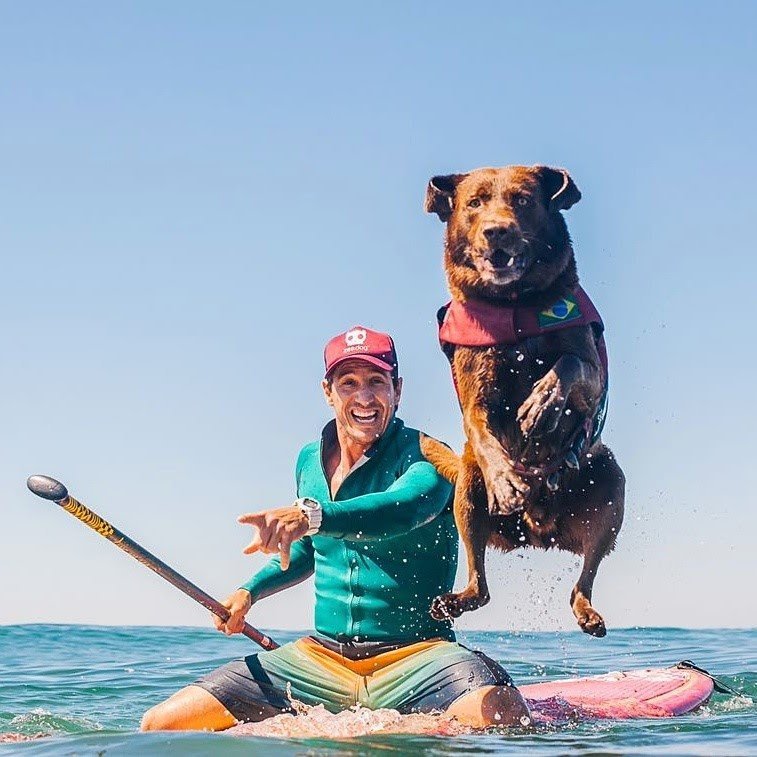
500, 235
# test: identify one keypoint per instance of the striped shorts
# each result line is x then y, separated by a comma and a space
423, 676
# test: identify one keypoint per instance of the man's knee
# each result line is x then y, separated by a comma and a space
154, 720
491, 705
505, 705
190, 709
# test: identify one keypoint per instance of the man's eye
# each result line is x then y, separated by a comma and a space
475, 202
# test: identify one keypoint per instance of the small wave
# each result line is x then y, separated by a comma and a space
42, 722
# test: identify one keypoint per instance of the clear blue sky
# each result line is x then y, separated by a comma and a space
195, 196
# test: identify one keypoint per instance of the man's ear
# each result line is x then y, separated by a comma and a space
558, 187
326, 386
397, 393
440, 195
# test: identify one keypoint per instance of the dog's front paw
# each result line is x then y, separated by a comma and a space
506, 491
543, 408
445, 607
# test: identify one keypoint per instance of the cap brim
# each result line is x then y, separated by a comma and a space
366, 359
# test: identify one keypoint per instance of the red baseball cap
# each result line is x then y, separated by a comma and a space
360, 343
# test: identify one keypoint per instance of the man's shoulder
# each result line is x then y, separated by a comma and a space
311, 447
408, 435
408, 443
411, 434
308, 453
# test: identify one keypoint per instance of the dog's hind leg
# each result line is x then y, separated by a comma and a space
588, 618
595, 526
472, 520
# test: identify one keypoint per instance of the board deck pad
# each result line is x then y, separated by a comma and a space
650, 693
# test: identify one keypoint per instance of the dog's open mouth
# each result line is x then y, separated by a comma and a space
502, 264
502, 259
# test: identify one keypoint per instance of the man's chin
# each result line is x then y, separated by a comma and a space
366, 434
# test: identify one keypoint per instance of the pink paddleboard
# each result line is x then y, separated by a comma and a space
652, 693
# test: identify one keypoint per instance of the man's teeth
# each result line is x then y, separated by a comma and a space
365, 417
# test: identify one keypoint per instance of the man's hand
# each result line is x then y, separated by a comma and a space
277, 530
238, 604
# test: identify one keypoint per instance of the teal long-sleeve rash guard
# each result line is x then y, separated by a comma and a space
386, 547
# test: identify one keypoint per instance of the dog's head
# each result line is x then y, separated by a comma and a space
506, 236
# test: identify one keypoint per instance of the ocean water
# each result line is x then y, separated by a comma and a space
86, 687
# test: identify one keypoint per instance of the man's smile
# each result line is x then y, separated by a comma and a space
364, 417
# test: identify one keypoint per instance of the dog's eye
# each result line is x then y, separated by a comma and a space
475, 202
522, 200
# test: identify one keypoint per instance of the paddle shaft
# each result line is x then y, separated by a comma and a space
123, 542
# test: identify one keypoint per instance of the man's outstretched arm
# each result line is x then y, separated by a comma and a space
414, 499
418, 496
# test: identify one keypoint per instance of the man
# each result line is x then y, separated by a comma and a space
373, 522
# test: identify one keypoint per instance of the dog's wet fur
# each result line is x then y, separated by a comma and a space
507, 243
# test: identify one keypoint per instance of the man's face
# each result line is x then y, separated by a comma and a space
364, 399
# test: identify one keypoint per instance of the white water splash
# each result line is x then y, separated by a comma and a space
318, 722
736, 703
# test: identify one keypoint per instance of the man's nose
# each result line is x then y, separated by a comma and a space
500, 234
364, 395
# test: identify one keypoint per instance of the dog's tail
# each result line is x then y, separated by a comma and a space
441, 457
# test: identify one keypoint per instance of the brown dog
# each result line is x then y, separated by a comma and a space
527, 355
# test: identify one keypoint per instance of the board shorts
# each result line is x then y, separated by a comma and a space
424, 676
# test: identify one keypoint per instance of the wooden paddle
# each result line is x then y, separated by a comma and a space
49, 488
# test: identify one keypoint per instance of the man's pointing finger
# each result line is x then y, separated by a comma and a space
252, 519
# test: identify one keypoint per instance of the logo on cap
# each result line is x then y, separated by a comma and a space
361, 343
355, 337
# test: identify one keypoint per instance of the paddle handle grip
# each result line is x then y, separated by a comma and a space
139, 553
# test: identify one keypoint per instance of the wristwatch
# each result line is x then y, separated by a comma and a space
312, 508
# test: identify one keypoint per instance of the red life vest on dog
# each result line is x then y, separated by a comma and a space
475, 323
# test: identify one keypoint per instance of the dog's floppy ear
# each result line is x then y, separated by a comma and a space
559, 187
440, 195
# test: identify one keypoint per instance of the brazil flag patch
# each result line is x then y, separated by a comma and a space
564, 310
